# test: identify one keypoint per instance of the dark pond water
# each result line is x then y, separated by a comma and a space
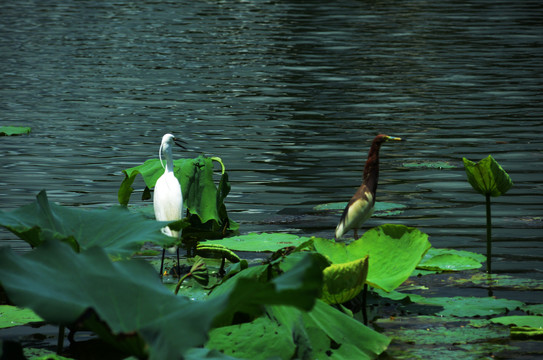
289, 94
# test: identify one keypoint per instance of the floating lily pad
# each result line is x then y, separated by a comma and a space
13, 316
442, 338
450, 260
536, 309
523, 327
263, 242
496, 281
381, 208
471, 306
13, 130
429, 164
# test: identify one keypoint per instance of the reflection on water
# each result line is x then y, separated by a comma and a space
289, 94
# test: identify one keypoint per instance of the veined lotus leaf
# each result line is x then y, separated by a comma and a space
201, 197
14, 130
13, 316
118, 231
327, 333
470, 306
125, 302
531, 321
262, 338
451, 260
487, 176
263, 242
343, 281
394, 252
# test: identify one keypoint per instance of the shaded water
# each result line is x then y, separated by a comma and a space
289, 94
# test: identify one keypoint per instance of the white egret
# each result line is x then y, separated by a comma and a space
360, 207
168, 198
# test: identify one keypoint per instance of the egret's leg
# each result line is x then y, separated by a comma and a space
162, 262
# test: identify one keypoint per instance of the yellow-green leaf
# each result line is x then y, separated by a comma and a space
487, 177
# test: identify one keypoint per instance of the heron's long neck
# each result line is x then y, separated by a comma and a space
371, 170
167, 150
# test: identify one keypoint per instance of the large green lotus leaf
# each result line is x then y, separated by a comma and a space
13, 130
262, 339
118, 231
327, 333
263, 242
13, 316
394, 252
125, 302
450, 260
344, 281
487, 176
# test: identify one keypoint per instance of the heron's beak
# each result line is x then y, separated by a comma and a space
179, 143
394, 138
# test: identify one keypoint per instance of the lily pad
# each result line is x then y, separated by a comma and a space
394, 252
14, 130
487, 176
523, 327
13, 316
450, 260
470, 306
429, 164
536, 309
263, 242
499, 281
116, 230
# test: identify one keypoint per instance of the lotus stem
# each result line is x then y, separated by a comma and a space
60, 341
181, 281
488, 236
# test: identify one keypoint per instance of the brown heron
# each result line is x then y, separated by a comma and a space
360, 207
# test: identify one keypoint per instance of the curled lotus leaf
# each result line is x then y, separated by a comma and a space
344, 281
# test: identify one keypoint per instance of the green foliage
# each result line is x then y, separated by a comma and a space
125, 303
14, 130
487, 177
203, 200
450, 260
344, 281
394, 252
523, 327
119, 232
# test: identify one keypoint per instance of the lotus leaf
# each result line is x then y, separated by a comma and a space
262, 338
13, 316
13, 130
394, 252
259, 242
118, 231
471, 306
125, 302
450, 260
487, 177
326, 332
531, 321
342, 282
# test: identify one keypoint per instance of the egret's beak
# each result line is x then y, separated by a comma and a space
179, 143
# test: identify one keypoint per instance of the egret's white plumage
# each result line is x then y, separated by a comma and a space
168, 198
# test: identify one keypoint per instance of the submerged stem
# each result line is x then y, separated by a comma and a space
488, 236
